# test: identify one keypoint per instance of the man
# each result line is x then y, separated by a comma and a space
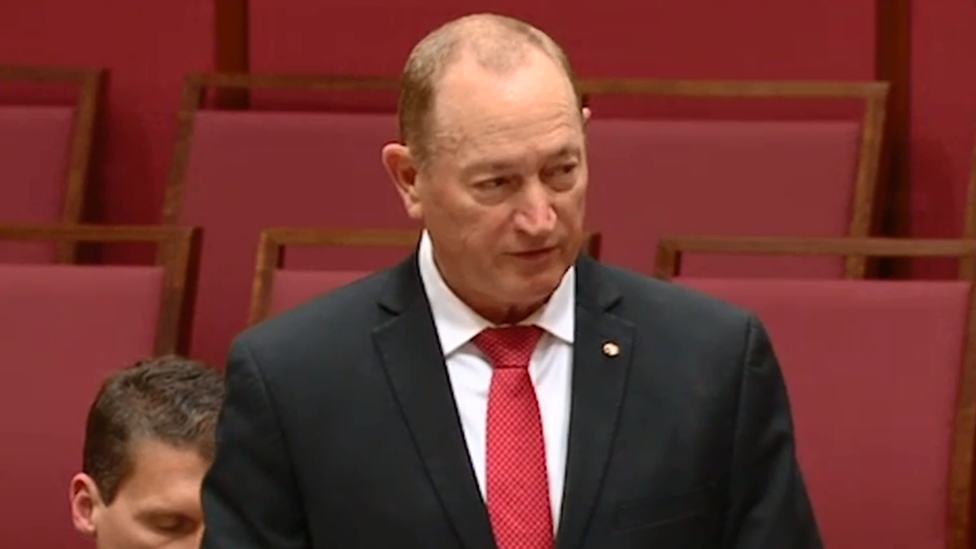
148, 442
497, 389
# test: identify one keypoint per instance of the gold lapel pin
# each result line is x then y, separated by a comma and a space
611, 349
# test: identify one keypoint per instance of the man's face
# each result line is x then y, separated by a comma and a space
157, 506
503, 196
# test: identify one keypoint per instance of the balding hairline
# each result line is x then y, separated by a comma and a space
498, 44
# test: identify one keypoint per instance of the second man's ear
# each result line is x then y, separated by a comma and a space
85, 501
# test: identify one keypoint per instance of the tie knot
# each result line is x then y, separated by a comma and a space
509, 347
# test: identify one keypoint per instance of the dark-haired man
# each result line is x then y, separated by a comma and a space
149, 440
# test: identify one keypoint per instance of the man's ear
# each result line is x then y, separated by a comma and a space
86, 504
586, 115
402, 169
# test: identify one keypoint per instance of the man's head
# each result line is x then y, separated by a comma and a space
149, 440
492, 159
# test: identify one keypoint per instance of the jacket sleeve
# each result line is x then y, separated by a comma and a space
250, 496
768, 503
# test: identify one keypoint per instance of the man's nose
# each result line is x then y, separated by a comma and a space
536, 217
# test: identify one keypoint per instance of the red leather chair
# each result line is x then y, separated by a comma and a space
709, 158
237, 172
882, 379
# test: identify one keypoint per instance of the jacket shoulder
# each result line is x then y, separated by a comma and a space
643, 295
336, 318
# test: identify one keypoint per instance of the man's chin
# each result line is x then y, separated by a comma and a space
540, 288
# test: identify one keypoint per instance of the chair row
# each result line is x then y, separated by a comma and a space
680, 163
233, 281
882, 374
690, 157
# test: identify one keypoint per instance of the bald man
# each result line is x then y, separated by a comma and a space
498, 389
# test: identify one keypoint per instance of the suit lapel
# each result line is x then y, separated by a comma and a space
415, 367
602, 355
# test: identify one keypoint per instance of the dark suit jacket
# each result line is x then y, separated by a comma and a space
340, 430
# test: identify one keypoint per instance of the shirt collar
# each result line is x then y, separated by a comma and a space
457, 324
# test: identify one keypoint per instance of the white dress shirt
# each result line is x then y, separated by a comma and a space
470, 373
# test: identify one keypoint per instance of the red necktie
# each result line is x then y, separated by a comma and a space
517, 480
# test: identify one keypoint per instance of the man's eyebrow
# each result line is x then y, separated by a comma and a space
501, 164
566, 151
150, 513
488, 166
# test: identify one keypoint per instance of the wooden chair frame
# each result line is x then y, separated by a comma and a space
961, 481
272, 244
180, 261
874, 95
968, 266
91, 83
671, 248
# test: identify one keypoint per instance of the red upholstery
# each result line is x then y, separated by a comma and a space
873, 370
253, 170
62, 329
291, 287
34, 154
654, 177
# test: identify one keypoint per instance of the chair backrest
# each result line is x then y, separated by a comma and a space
277, 288
278, 167
177, 263
64, 328
195, 90
701, 172
882, 379
45, 151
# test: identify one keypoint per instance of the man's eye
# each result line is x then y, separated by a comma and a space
171, 525
493, 183
564, 169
